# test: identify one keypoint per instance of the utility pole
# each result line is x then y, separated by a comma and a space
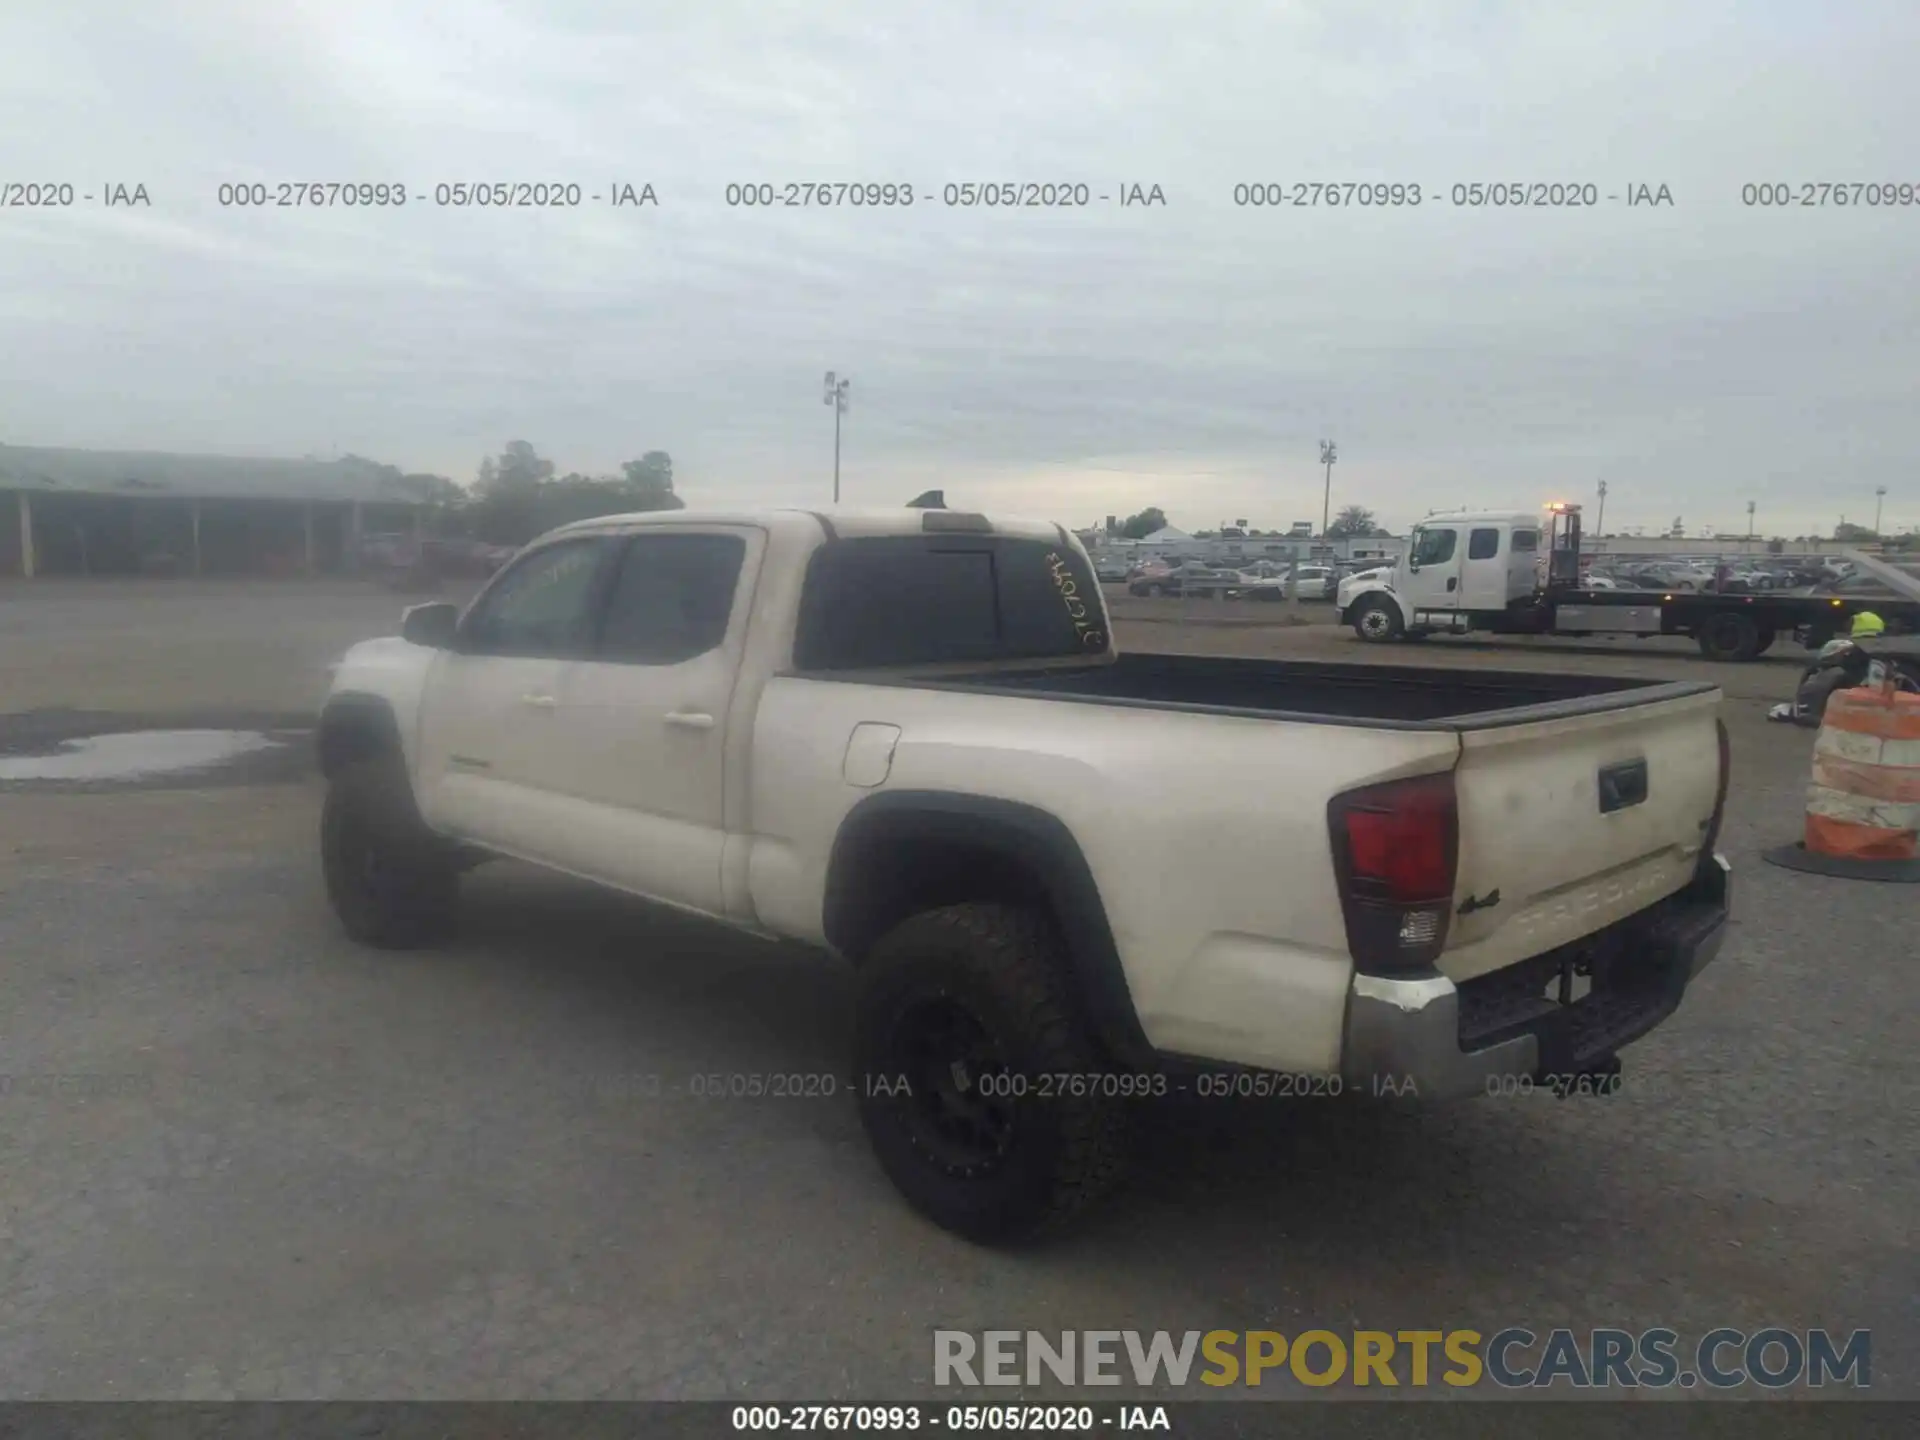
1327, 457
1879, 499
1600, 516
836, 396
1749, 523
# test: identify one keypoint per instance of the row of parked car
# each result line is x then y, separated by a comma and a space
1745, 575
1263, 580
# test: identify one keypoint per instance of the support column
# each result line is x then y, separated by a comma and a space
193, 514
26, 536
306, 521
418, 517
356, 535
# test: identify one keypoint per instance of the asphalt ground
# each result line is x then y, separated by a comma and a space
242, 1158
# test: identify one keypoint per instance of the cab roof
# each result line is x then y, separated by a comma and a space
1523, 519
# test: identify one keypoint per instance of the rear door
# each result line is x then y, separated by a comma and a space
1568, 825
1483, 574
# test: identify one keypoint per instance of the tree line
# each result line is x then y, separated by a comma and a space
517, 495
1353, 522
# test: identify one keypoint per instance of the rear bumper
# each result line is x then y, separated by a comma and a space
1425, 1035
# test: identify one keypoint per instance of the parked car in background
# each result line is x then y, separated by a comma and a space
1191, 578
1266, 580
1152, 565
1688, 576
1111, 569
1316, 582
1798, 574
389, 550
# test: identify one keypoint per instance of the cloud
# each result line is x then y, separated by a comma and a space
1069, 362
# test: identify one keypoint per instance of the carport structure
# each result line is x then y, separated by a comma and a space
117, 512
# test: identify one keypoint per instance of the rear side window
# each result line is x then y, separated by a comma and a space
939, 599
1483, 544
1524, 540
671, 599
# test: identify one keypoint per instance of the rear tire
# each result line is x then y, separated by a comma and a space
393, 883
970, 992
1728, 636
1377, 621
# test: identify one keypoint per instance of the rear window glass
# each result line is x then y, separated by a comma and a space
1526, 539
1483, 544
938, 599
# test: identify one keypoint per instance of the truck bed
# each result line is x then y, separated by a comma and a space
1379, 696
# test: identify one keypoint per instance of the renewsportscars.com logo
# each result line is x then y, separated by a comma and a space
1513, 1358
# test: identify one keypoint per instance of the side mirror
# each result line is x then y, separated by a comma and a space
431, 625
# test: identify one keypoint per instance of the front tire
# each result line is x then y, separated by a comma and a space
968, 1051
392, 882
1377, 621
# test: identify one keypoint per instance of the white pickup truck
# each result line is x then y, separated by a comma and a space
1069, 878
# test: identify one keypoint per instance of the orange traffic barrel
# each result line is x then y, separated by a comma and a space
1863, 803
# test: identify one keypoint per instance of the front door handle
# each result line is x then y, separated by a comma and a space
688, 720
1453, 584
540, 702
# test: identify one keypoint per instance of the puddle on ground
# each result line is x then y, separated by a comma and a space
137, 755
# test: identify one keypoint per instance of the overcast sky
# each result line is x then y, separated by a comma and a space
1071, 362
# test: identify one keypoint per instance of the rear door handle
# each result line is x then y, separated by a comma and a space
687, 720
540, 702
1454, 584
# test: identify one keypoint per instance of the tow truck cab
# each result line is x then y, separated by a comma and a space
1459, 566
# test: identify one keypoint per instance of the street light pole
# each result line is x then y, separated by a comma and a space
1750, 522
1327, 457
1600, 516
1879, 499
836, 396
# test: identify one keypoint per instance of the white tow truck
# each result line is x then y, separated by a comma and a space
1071, 880
1515, 573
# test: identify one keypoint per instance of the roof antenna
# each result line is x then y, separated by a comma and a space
929, 500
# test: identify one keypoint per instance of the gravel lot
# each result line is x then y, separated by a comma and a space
240, 1157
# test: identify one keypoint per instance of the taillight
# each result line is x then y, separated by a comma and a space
1396, 848
1720, 793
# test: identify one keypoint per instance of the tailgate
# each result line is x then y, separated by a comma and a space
1568, 824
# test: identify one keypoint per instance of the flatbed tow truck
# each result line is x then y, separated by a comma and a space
1476, 571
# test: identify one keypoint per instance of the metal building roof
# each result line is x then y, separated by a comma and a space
45, 470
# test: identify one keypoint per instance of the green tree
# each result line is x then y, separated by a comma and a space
1138, 527
1353, 522
520, 469
507, 507
517, 496
650, 482
1850, 534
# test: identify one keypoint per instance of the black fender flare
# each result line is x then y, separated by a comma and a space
355, 726
1036, 841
